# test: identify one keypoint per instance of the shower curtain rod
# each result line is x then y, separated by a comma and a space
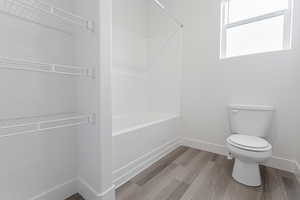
168, 13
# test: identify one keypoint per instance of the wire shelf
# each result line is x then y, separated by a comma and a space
22, 126
39, 12
26, 65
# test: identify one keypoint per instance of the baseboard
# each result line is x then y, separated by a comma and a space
60, 191
125, 173
205, 146
274, 162
73, 186
297, 169
89, 193
282, 164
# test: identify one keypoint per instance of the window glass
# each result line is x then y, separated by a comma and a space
261, 36
243, 9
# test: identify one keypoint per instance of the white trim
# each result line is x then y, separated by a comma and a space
60, 191
256, 19
73, 186
282, 164
288, 26
225, 24
125, 173
274, 162
297, 171
223, 40
205, 146
90, 193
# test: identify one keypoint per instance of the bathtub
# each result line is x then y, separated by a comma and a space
139, 140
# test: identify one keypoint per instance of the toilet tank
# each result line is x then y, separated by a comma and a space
254, 120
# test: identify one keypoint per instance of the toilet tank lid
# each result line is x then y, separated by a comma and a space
251, 107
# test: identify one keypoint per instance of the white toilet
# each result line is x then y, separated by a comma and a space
249, 125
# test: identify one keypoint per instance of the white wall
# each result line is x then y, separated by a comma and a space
34, 163
165, 61
86, 54
93, 49
146, 59
210, 84
130, 64
51, 165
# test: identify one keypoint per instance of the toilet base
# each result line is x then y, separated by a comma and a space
246, 173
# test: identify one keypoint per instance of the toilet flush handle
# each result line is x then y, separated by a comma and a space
234, 111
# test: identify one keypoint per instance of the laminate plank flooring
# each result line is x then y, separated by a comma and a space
190, 174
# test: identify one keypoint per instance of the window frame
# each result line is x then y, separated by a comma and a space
225, 25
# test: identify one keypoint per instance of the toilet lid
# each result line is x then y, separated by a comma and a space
249, 142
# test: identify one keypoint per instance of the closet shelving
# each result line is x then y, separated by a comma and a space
26, 65
31, 10
21, 8
21, 126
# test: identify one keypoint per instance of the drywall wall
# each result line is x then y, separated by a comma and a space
210, 84
165, 61
34, 163
93, 49
86, 53
130, 61
146, 50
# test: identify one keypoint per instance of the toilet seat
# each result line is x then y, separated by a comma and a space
250, 143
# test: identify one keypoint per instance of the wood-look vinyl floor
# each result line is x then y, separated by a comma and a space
189, 174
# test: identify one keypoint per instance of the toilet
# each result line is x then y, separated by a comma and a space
249, 126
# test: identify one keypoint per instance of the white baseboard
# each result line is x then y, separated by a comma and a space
297, 169
73, 186
89, 193
274, 162
282, 164
60, 191
125, 173
205, 146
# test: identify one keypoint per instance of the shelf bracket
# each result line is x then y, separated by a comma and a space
92, 118
91, 72
90, 25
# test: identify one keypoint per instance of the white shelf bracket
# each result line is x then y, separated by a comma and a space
90, 25
52, 10
91, 72
92, 118
59, 13
53, 68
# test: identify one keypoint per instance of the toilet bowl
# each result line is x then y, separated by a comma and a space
247, 144
249, 152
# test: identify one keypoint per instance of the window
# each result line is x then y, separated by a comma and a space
255, 26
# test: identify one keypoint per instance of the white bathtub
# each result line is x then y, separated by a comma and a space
139, 140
